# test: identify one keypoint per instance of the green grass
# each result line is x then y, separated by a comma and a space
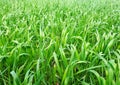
59, 42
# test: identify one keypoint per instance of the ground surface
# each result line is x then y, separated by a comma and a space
59, 42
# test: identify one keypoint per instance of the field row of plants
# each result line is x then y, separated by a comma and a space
59, 42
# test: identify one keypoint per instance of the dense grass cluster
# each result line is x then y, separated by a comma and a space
59, 42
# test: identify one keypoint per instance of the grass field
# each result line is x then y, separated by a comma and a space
59, 42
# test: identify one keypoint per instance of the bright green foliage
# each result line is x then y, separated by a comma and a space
59, 42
